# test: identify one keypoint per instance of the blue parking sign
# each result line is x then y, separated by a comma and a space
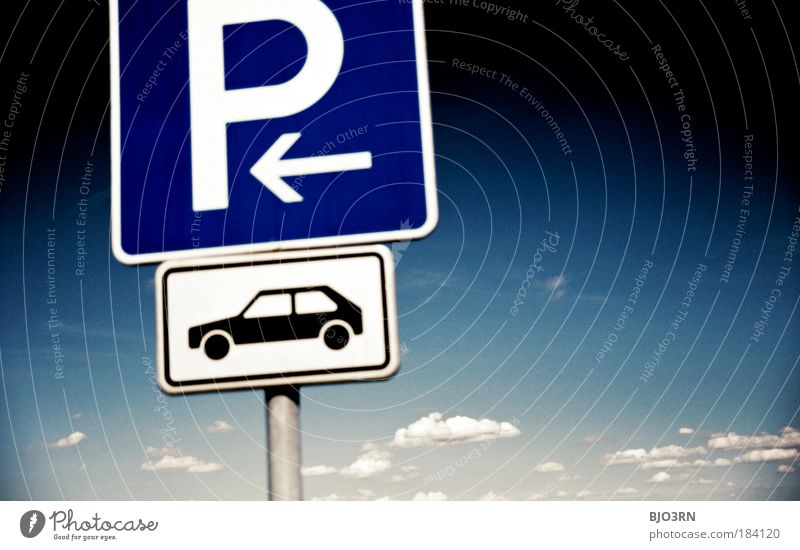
254, 125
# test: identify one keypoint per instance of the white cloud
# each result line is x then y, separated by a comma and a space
592, 439
549, 467
427, 431
586, 494
789, 437
639, 456
330, 497
314, 471
626, 491
666, 463
675, 451
544, 495
69, 441
716, 463
786, 469
409, 471
218, 427
162, 451
628, 456
362, 494
368, 464
764, 455
204, 468
675, 463
191, 464
433, 430
168, 462
557, 285
685, 431
492, 496
660, 477
433, 495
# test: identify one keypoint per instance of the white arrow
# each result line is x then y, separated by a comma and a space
271, 167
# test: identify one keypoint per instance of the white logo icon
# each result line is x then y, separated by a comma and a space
213, 107
33, 520
31, 523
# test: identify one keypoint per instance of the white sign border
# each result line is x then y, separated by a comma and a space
429, 174
383, 372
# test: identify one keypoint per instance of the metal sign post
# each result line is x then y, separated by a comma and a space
278, 321
283, 443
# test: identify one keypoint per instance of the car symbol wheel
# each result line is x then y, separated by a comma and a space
216, 345
336, 336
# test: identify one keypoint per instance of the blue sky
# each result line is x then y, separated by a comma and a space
466, 355
500, 394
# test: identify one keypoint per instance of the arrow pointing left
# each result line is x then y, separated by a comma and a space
272, 167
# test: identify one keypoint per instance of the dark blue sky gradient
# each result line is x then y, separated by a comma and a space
621, 198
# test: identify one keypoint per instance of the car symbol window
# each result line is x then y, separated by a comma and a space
313, 301
269, 305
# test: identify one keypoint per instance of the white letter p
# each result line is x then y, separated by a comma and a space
213, 107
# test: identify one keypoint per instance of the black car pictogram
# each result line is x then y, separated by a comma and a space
280, 315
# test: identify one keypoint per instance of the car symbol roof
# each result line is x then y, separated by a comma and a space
295, 290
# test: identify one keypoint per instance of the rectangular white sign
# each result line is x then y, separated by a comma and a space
306, 317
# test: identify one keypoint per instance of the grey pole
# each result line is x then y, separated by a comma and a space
283, 443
